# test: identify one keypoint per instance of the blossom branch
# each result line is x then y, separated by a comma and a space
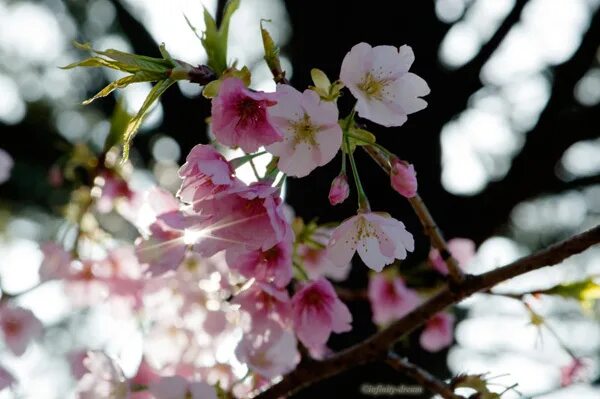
427, 221
376, 347
421, 376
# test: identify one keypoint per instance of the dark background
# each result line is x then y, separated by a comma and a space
322, 33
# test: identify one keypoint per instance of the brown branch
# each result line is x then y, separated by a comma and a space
430, 227
421, 376
377, 346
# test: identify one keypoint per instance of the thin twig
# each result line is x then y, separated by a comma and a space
421, 376
429, 225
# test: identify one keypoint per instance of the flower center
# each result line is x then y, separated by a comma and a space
12, 327
250, 111
372, 86
304, 131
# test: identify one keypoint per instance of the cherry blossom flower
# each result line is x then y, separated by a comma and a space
403, 178
271, 265
379, 79
379, 240
113, 187
19, 327
6, 165
390, 298
165, 248
204, 171
314, 259
265, 304
177, 387
339, 190
462, 249
438, 332
241, 218
317, 311
312, 135
270, 352
240, 117
575, 371
104, 379
6, 379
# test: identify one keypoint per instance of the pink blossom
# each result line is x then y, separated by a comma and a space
403, 178
177, 387
339, 190
265, 304
379, 79
312, 135
104, 379
462, 249
240, 117
270, 352
390, 298
165, 248
314, 259
204, 171
113, 187
271, 265
19, 327
6, 379
379, 240
55, 264
573, 372
317, 311
6, 165
145, 374
438, 332
241, 218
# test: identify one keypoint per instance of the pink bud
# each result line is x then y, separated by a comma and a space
339, 190
404, 178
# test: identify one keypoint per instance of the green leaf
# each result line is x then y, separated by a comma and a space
214, 39
118, 123
271, 53
132, 62
124, 82
320, 80
135, 123
356, 137
96, 62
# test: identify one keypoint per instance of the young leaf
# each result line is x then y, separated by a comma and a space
271, 54
214, 39
135, 123
124, 82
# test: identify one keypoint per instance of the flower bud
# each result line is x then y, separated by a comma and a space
339, 190
403, 178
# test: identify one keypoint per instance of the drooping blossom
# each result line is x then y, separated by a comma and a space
576, 370
403, 178
177, 387
379, 79
339, 190
461, 249
265, 304
241, 218
204, 171
6, 379
378, 239
390, 298
271, 265
270, 352
165, 248
438, 332
104, 379
240, 117
317, 312
6, 165
19, 327
313, 257
312, 135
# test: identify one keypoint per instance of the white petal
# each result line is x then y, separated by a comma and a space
356, 63
368, 249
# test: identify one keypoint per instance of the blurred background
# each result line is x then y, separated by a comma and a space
507, 154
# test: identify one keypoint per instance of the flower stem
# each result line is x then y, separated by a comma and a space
363, 202
239, 161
